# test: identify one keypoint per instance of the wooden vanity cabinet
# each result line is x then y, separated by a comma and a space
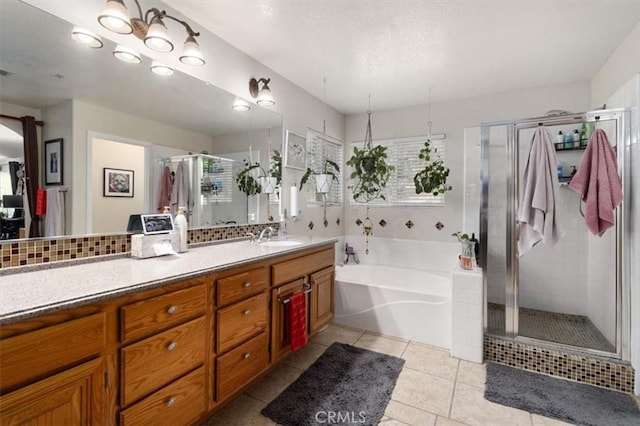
169, 355
242, 324
313, 273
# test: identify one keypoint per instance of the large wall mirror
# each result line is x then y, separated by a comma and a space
117, 117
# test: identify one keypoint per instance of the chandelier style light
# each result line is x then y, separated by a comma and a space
151, 29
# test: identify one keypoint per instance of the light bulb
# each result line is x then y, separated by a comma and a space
127, 54
86, 37
161, 69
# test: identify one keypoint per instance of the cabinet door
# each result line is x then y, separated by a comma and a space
321, 299
68, 398
279, 322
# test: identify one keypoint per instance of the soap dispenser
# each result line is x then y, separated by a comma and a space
181, 229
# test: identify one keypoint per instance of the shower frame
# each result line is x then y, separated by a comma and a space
622, 267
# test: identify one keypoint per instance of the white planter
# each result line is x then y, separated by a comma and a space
323, 183
268, 185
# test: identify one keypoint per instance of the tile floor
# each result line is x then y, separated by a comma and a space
433, 388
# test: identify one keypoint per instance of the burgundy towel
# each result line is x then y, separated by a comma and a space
164, 191
598, 183
41, 202
297, 324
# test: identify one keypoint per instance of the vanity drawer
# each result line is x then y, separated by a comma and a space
237, 367
180, 403
153, 362
240, 286
39, 352
148, 316
237, 323
290, 270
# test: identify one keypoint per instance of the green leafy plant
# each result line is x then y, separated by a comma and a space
247, 180
460, 236
433, 178
275, 169
329, 167
370, 172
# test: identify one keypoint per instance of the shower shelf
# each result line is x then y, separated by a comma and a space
577, 148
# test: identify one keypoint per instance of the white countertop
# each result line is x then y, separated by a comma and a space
28, 294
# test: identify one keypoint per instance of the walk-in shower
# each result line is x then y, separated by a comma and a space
572, 295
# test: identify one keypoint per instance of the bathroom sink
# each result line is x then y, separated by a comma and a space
281, 243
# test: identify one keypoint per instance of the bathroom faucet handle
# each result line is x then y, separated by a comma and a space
251, 235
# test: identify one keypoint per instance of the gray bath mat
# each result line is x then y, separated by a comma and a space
571, 402
345, 386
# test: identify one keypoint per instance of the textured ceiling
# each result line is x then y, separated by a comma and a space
395, 50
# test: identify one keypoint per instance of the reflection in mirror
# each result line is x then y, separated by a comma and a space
113, 114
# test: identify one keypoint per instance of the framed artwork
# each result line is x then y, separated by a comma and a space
118, 183
295, 151
53, 162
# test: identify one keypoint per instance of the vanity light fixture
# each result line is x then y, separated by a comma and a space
240, 105
150, 28
126, 54
161, 69
86, 37
263, 95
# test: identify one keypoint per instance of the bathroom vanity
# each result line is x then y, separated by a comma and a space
156, 341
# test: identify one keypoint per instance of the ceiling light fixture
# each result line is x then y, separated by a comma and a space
263, 95
161, 69
150, 28
240, 105
126, 54
86, 37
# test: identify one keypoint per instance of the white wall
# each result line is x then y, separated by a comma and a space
621, 66
92, 118
451, 118
111, 214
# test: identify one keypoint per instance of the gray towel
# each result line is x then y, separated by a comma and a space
538, 212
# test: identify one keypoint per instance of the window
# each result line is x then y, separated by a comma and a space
333, 150
403, 154
217, 180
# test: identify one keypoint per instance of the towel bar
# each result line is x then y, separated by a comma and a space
285, 301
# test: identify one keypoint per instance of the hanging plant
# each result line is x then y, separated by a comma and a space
247, 180
275, 170
370, 169
329, 168
433, 178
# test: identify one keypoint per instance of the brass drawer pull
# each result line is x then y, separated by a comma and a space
246, 356
172, 346
172, 401
246, 312
172, 309
247, 284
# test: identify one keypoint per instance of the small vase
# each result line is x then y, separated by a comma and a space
368, 164
468, 256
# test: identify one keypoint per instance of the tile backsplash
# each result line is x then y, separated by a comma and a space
29, 252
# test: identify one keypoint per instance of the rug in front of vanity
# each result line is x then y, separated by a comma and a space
569, 401
346, 385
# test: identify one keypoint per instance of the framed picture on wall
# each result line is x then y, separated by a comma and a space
118, 183
295, 151
53, 162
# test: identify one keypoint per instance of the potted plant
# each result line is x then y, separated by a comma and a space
247, 180
433, 178
329, 173
370, 169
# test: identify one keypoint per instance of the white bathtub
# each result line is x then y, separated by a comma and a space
397, 301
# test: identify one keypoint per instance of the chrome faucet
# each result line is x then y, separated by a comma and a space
265, 234
251, 235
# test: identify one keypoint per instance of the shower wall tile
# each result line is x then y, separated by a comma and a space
599, 372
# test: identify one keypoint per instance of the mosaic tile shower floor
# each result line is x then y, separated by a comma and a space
574, 330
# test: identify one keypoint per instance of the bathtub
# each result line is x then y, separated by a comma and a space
405, 302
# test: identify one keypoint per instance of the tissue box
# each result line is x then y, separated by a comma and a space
144, 246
